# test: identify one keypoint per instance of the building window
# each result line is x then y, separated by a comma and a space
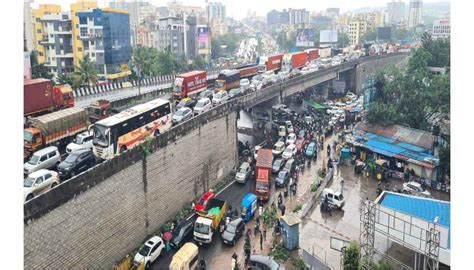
79, 49
37, 19
38, 31
82, 20
40, 54
92, 42
83, 31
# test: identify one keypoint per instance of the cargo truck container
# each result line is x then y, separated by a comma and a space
248, 72
268, 63
57, 128
312, 55
209, 221
294, 60
263, 170
189, 84
41, 97
228, 79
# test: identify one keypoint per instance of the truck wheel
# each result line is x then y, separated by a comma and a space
29, 197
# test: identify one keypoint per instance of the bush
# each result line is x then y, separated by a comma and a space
322, 172
279, 253
297, 208
299, 264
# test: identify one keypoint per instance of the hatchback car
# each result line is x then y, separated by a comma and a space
289, 152
277, 165
181, 234
45, 158
206, 94
235, 93
203, 105
243, 173
415, 188
77, 162
233, 231
282, 131
282, 178
149, 252
182, 115
278, 148
291, 138
82, 141
220, 97
39, 182
186, 102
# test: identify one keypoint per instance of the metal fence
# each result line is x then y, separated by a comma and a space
314, 262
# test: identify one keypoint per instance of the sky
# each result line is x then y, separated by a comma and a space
238, 8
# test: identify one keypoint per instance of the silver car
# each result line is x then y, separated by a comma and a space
45, 158
243, 173
39, 182
182, 115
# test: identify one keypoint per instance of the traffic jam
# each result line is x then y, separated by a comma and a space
62, 141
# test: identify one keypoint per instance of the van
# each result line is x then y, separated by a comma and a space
186, 258
45, 158
334, 198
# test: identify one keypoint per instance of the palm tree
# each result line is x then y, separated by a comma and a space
86, 72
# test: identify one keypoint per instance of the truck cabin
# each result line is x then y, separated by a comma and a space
286, 63
67, 95
99, 110
249, 206
178, 88
262, 67
32, 140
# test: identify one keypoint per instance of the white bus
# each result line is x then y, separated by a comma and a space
123, 131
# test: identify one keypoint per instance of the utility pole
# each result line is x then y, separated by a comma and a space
184, 35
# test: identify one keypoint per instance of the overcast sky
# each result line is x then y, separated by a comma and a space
238, 8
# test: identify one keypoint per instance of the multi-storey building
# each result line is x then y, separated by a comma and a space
357, 31
414, 16
169, 33
373, 19
396, 12
216, 10
299, 17
105, 36
28, 25
39, 33
441, 28
77, 42
332, 12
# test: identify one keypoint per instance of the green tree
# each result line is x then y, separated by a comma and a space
342, 40
86, 73
65, 78
38, 70
197, 63
166, 62
350, 257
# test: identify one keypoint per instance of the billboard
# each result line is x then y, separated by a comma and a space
384, 33
204, 37
304, 37
328, 36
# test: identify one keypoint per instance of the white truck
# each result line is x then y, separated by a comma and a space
209, 221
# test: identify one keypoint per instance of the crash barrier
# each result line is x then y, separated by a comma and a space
315, 195
125, 264
70, 188
314, 261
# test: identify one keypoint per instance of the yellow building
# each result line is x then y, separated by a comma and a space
373, 19
77, 43
357, 31
39, 32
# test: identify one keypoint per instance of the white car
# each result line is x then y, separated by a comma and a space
203, 105
289, 152
289, 127
291, 139
282, 131
278, 148
244, 84
39, 182
415, 188
82, 141
220, 97
149, 252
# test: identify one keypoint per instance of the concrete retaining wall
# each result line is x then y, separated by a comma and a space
99, 226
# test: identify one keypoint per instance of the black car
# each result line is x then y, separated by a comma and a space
206, 94
181, 234
234, 93
186, 102
282, 178
233, 231
77, 162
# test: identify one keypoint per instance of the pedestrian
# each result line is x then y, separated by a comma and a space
264, 231
260, 209
167, 246
282, 208
249, 233
261, 241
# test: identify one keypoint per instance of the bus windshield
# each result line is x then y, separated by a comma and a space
100, 136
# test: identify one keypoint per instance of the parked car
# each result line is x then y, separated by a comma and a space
415, 188
39, 182
182, 115
277, 165
149, 252
235, 93
289, 127
282, 178
282, 131
45, 158
243, 173
203, 105
181, 234
82, 141
278, 148
77, 162
206, 94
220, 97
233, 231
186, 102
291, 138
289, 152
264, 262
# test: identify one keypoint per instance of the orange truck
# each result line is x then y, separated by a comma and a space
41, 97
263, 170
56, 128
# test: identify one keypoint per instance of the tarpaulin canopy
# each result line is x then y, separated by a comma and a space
313, 104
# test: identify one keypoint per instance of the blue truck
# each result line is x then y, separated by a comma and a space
249, 206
